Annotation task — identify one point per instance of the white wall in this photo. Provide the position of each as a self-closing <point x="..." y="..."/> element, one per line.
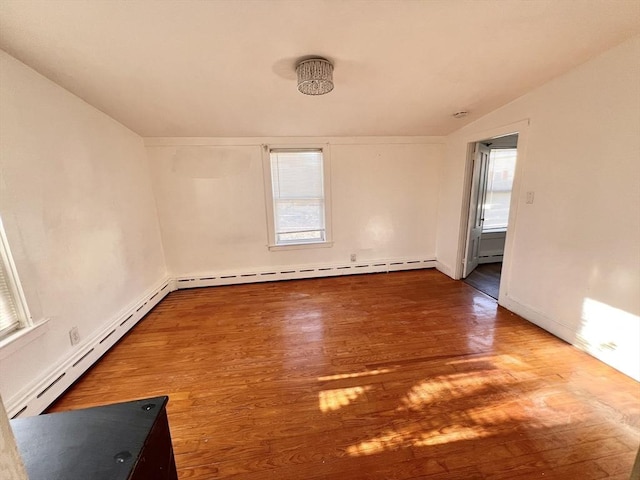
<point x="212" y="205"/>
<point x="572" y="257"/>
<point x="79" y="213"/>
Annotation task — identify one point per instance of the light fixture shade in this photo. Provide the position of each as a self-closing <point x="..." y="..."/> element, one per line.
<point x="315" y="76"/>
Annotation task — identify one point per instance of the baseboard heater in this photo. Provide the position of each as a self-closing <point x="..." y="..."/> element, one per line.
<point x="36" y="398"/>
<point x="300" y="272"/>
<point x="490" y="258"/>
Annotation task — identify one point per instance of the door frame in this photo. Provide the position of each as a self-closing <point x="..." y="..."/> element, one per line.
<point x="522" y="129"/>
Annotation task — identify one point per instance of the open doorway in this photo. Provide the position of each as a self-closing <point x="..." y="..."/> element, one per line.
<point x="493" y="170"/>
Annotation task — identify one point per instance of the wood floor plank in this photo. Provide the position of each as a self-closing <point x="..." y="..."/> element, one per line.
<point x="400" y="376"/>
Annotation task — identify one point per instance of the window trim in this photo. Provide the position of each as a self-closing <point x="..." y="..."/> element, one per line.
<point x="16" y="291"/>
<point x="17" y="339"/>
<point x="495" y="230"/>
<point x="268" y="193"/>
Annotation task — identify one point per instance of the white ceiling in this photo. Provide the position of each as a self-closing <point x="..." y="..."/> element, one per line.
<point x="226" y="68"/>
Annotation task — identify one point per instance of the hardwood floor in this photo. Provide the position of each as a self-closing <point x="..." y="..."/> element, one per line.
<point x="407" y="375"/>
<point x="486" y="278"/>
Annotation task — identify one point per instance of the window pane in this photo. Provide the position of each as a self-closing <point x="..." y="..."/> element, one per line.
<point x="297" y="174"/>
<point x="298" y="196"/>
<point x="298" y="215"/>
<point x="502" y="165"/>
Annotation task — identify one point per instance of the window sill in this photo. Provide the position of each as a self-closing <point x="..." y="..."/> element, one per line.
<point x="299" y="246"/>
<point x="22" y="337"/>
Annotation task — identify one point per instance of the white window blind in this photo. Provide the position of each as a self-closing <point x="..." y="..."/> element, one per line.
<point x="9" y="318"/>
<point x="297" y="180"/>
<point x="14" y="313"/>
<point x="502" y="167"/>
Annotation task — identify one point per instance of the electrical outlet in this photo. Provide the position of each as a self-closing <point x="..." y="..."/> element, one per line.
<point x="530" y="197"/>
<point x="353" y="257"/>
<point x="74" y="336"/>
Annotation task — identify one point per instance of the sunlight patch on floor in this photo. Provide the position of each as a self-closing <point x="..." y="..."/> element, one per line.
<point x="493" y="361"/>
<point x="446" y="388"/>
<point x="335" y="399"/>
<point x="342" y="376"/>
<point x="477" y="403"/>
<point x="455" y="434"/>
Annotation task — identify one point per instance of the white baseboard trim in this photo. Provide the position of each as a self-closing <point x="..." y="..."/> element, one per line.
<point x="552" y="326"/>
<point x="448" y="271"/>
<point x="36" y="397"/>
<point x="299" y="272"/>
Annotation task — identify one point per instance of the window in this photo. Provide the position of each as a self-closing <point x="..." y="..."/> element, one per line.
<point x="502" y="166"/>
<point x="297" y="184"/>
<point x="13" y="312"/>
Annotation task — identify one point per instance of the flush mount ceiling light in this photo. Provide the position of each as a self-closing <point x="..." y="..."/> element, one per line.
<point x="315" y="76"/>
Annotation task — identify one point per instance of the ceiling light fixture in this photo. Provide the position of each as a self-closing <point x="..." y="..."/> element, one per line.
<point x="315" y="76"/>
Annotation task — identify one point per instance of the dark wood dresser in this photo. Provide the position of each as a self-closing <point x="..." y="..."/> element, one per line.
<point x="128" y="441"/>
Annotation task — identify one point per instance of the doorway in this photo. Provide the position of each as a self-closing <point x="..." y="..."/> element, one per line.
<point x="493" y="162"/>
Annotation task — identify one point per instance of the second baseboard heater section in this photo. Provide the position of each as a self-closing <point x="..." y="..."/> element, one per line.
<point x="303" y="271"/>
<point x="37" y="397"/>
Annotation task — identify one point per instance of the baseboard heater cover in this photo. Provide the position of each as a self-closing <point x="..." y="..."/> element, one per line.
<point x="497" y="258"/>
<point x="300" y="272"/>
<point x="37" y="397"/>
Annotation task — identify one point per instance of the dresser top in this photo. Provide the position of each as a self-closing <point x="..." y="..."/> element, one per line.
<point x="99" y="443"/>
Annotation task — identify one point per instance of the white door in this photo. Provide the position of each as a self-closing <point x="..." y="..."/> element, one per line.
<point x="476" y="207"/>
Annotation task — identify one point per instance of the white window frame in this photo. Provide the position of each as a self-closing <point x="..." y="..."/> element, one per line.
<point x="16" y="292"/>
<point x="498" y="229"/>
<point x="269" y="201"/>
